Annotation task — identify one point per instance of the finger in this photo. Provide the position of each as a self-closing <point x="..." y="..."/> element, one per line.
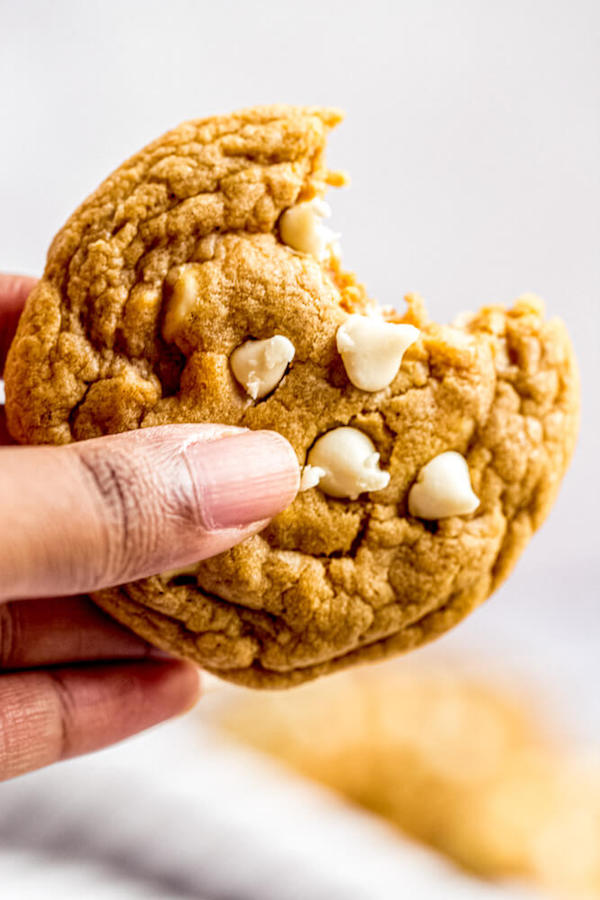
<point x="115" y="509"/>
<point x="5" y="437"/>
<point x="49" y="716"/>
<point x="14" y="290"/>
<point x="63" y="630"/>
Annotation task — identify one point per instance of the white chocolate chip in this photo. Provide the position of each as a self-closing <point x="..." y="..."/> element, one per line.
<point x="310" y="477"/>
<point x="183" y="299"/>
<point x="349" y="462"/>
<point x="259" y="366"/>
<point x="301" y="228"/>
<point x="443" y="488"/>
<point x="372" y="349"/>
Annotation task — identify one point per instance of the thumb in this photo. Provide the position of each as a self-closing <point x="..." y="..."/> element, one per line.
<point x="117" y="508"/>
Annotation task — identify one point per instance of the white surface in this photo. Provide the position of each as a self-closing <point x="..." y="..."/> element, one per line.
<point x="178" y="814"/>
<point x="473" y="140"/>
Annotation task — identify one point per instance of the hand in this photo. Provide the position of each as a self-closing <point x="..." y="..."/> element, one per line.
<point x="97" y="513"/>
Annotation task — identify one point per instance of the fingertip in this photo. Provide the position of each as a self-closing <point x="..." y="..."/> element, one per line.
<point x="243" y="479"/>
<point x="288" y="455"/>
<point x="180" y="683"/>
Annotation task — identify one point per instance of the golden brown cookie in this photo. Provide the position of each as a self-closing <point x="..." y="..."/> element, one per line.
<point x="184" y="254"/>
<point x="454" y="761"/>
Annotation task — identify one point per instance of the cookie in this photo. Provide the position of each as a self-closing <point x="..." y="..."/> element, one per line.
<point x="457" y="762"/>
<point x="200" y="283"/>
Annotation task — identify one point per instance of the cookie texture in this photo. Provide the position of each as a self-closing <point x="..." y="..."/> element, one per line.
<point x="173" y="263"/>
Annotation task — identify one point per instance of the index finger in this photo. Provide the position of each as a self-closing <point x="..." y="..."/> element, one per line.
<point x="14" y="290"/>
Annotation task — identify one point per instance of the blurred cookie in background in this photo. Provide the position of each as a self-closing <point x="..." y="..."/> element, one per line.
<point x="456" y="760"/>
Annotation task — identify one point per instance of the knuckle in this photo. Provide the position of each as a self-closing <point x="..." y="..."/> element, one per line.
<point x="117" y="496"/>
<point x="65" y="716"/>
<point x="145" y="503"/>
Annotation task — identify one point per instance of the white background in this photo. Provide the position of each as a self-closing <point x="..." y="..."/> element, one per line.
<point x="473" y="140"/>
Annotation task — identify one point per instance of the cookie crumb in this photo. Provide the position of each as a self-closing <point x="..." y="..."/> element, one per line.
<point x="310" y="477"/>
<point x="337" y="178"/>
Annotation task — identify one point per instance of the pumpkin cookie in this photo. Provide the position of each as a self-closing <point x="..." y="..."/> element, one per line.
<point x="200" y="283"/>
<point x="457" y="762"/>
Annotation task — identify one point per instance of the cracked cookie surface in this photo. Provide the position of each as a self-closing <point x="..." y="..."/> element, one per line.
<point x="174" y="262"/>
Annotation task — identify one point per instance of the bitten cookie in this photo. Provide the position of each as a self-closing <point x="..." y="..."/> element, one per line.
<point x="199" y="283"/>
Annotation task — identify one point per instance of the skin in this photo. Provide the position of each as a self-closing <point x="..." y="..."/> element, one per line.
<point x="83" y="517"/>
